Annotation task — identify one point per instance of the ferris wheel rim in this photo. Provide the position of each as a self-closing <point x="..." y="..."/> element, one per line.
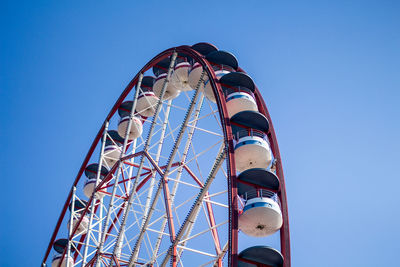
<point x="228" y="138"/>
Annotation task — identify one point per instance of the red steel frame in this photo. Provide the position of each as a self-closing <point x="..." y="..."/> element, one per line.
<point x="232" y="181"/>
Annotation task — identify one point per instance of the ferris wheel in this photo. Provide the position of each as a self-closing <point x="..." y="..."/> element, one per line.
<point x="185" y="170"/>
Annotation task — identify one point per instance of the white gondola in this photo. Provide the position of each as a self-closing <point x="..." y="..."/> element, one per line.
<point x="238" y="88"/>
<point x="261" y="215"/>
<point x="160" y="70"/>
<point x="136" y="129"/>
<point x="240" y="101"/>
<point x="196" y="70"/>
<point x="83" y="226"/>
<point x="146" y="104"/>
<point x="113" y="148"/>
<point x="180" y="76"/>
<point x="171" y="91"/>
<point x="90" y="186"/>
<point x="112" y="154"/>
<point x="222" y="63"/>
<point x="79" y="208"/>
<point x="147" y="100"/>
<point x="195" y="74"/>
<point x="57" y="258"/>
<point x="60" y="246"/>
<point x="252" y="150"/>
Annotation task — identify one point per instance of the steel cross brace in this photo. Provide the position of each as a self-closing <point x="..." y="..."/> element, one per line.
<point x="178" y="140"/>
<point x="182" y="164"/>
<point x="196" y="205"/>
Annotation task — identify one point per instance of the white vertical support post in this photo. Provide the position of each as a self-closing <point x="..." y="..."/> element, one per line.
<point x="71" y="225"/>
<point x="129" y="185"/>
<point x="157" y="159"/>
<point x="92" y="207"/>
<point x="132" y="160"/>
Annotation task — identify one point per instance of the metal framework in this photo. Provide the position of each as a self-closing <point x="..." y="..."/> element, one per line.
<point x="129" y="226"/>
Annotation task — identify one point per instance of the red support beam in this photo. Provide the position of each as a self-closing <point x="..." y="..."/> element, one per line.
<point x="210" y="213"/>
<point x="167" y="200"/>
<point x="284" y="231"/>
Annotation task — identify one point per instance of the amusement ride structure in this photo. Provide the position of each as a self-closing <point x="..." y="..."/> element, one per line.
<point x="185" y="166"/>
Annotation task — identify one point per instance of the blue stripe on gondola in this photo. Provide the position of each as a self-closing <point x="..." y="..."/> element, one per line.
<point x="237" y="96"/>
<point x="257" y="204"/>
<point x="248" y="142"/>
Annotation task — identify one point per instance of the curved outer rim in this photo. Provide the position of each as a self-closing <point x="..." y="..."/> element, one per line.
<point x="284" y="231"/>
<point x="232" y="183"/>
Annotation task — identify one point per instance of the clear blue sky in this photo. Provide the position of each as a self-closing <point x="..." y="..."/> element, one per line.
<point x="328" y="70"/>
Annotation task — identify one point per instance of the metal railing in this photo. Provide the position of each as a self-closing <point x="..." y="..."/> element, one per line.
<point x="263" y="193"/>
<point x="252" y="133"/>
<point x="236" y="89"/>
